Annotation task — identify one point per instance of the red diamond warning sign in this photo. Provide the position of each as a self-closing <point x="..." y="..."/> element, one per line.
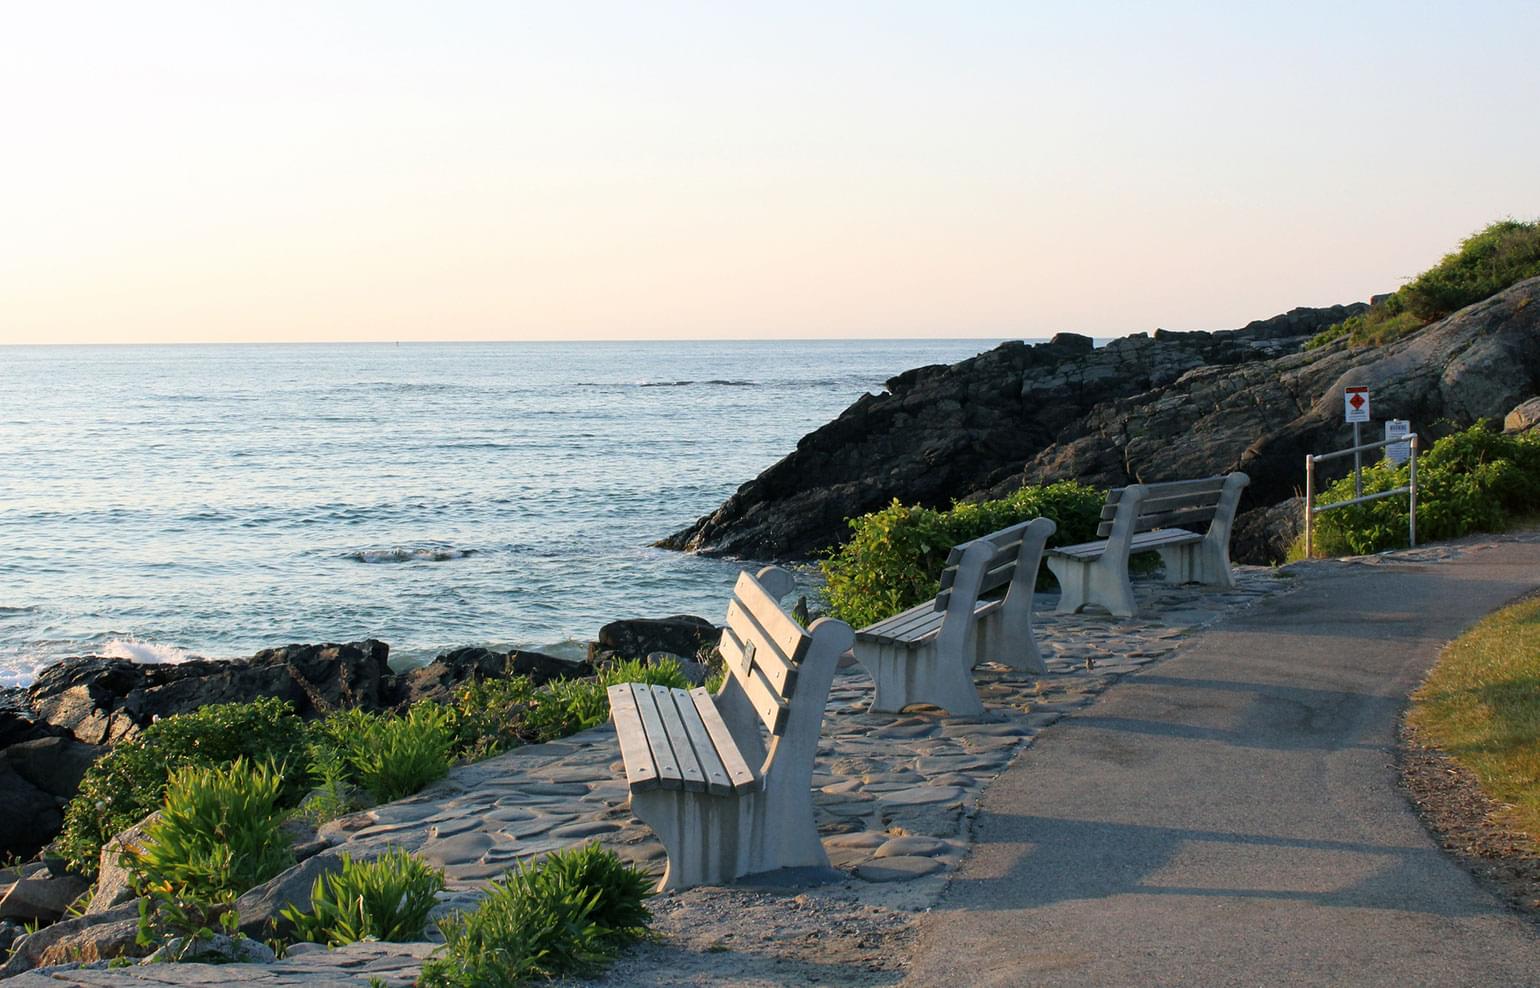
<point x="1355" y="403"/>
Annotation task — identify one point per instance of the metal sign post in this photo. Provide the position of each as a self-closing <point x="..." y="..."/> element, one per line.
<point x="1355" y="408"/>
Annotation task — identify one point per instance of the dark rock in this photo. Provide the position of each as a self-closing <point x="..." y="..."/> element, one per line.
<point x="101" y="700"/>
<point x="29" y="817"/>
<point x="8" y="934"/>
<point x="682" y="634"/>
<point x="943" y="432"/>
<point x="1264" y="535"/>
<point x="18" y="721"/>
<point x="41" y="899"/>
<point x="52" y="764"/>
<point x="86" y="934"/>
<point x="1524" y="417"/>
<point x="437" y="679"/>
<point x="1139" y="409"/>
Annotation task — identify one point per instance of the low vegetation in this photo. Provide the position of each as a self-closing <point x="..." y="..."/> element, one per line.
<point x="1503" y="254"/>
<point x="1481" y="706"/>
<point x="569" y="914"/>
<point x="1478" y="480"/>
<point x="387" y="898"/>
<point x="129" y="782"/>
<point x="894" y="559"/>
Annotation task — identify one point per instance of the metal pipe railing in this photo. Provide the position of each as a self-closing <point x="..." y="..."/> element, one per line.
<point x="1311" y="509"/>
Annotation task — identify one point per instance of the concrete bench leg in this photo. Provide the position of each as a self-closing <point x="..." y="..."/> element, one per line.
<point x="1008" y="640"/>
<point x="707" y="837"/>
<point x="904" y="676"/>
<point x="1099" y="582"/>
<point x="1198" y="562"/>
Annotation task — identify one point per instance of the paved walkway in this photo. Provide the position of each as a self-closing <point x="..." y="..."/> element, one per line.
<point x="1233" y="816"/>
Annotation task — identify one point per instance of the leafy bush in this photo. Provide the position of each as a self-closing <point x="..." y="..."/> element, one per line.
<point x="390" y="755"/>
<point x="489" y="714"/>
<point x="565" y="707"/>
<point x="1503" y="254"/>
<point x="1478" y="480"/>
<point x="129" y="782"/>
<point x="895" y="558"/>
<point x="566" y="915"/>
<point x="218" y="835"/>
<point x="665" y="672"/>
<point x="388" y="898"/>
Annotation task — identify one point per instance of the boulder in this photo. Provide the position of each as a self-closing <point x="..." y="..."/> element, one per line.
<point x="114" y="879"/>
<point x="103" y="700"/>
<point x="1266" y="534"/>
<point x="682" y="634"/>
<point x="53" y="764"/>
<point x="1524" y="418"/>
<point x="41" y="898"/>
<point x="260" y="909"/>
<point x="437" y="679"/>
<point x="216" y="949"/>
<point x="83" y="938"/>
<point x="18" y="721"/>
<point x="29" y="817"/>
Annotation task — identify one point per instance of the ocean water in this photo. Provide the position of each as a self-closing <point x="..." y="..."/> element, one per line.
<point x="158" y="502"/>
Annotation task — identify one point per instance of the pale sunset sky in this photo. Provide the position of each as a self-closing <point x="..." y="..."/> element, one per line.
<point x="220" y="171"/>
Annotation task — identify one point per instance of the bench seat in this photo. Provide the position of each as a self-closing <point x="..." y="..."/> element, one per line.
<point x="676" y="739"/>
<point x="1143" y="542"/>
<point x="927" y="653"/>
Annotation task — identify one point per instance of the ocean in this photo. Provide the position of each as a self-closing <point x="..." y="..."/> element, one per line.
<point x="160" y="502"/>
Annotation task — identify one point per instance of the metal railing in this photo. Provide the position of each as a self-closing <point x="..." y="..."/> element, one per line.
<point x="1311" y="509"/>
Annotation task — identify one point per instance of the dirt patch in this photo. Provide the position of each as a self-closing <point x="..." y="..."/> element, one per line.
<point x="1467" y="823"/>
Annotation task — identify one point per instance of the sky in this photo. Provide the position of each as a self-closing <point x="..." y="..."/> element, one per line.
<point x="321" y="171"/>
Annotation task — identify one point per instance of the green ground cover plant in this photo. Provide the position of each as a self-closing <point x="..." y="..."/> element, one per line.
<point x="386" y="898"/>
<point x="569" y="914"/>
<point x="895" y="556"/>
<point x="1478" y="480"/>
<point x="1481" y="706"/>
<point x="129" y="782"/>
<point x="219" y="833"/>
<point x="1501" y="255"/>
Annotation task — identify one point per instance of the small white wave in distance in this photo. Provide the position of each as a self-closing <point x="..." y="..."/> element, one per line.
<point x="408" y="554"/>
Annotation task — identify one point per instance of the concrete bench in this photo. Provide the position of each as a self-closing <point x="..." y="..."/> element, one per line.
<point x="1143" y="517"/>
<point x="725" y="802"/>
<point x="926" y="654"/>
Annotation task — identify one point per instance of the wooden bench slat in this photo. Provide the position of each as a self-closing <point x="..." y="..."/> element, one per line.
<point x="789" y="636"/>
<point x="764" y="699"/>
<point x="735" y="651"/>
<point x="1139" y="543"/>
<point x="1156" y="505"/>
<point x="679" y="740"/>
<point x="1167" y="519"/>
<point x="669" y="775"/>
<point x="881" y="627"/>
<point x="641" y="770"/>
<point x="741" y="775"/>
<point x="898" y="625"/>
<point x="1005" y="556"/>
<point x="1171" y="487"/>
<point x="912" y="631"/>
<point x="714" y="770"/>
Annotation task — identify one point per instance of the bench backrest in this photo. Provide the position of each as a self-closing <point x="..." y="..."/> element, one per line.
<point x="1178" y="504"/>
<point x="762" y="646"/>
<point x="999" y="569"/>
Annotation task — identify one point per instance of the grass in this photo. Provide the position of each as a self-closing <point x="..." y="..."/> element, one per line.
<point x="1481" y="706"/>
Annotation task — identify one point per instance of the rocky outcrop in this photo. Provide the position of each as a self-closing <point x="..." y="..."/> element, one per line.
<point x="1154" y="408"/>
<point x="683" y="635"/>
<point x="437" y="679"/>
<point x="1524" y="418"/>
<point x="943" y="432"/>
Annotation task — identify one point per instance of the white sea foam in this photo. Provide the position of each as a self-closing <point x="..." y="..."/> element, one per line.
<point x="149" y="653"/>
<point x="409" y="554"/>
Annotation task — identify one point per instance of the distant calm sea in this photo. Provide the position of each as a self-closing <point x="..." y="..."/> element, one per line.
<point x="160" y="502"/>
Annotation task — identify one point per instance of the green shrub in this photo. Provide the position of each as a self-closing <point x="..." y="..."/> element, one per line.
<point x="489" y="715"/>
<point x="391" y="755"/>
<point x="565" y="707"/>
<point x="129" y="782"/>
<point x="895" y="558"/>
<point x="566" y="915"/>
<point x="388" y="898"/>
<point x="1503" y="254"/>
<point x="665" y="672"/>
<point x="1478" y="480"/>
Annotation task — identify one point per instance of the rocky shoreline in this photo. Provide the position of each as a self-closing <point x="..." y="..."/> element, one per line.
<point x="1164" y="406"/>
<point x="53" y="730"/>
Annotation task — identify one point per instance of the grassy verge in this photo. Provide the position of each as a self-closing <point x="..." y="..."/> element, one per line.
<point x="1481" y="706"/>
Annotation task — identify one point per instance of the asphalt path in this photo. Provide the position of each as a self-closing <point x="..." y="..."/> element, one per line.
<point x="1233" y="816"/>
